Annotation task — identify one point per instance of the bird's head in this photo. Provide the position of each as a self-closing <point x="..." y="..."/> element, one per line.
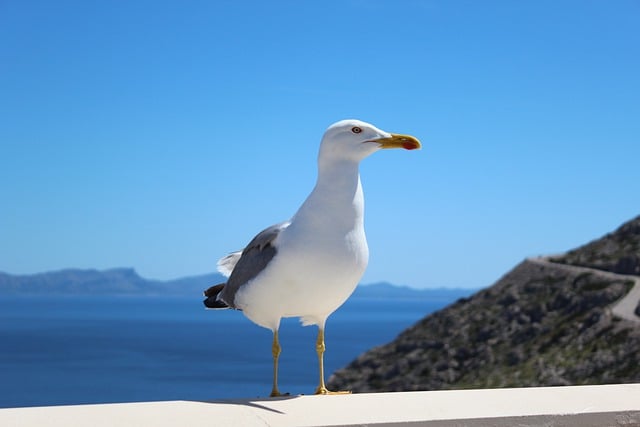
<point x="355" y="140"/>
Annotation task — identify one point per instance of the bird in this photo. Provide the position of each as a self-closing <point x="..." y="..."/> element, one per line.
<point x="309" y="265"/>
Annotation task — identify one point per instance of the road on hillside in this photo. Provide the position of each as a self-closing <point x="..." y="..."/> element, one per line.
<point x="625" y="307"/>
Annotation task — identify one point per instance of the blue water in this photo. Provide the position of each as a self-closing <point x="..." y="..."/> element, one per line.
<point x="75" y="350"/>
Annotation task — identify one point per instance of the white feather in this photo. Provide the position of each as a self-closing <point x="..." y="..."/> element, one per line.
<point x="227" y="263"/>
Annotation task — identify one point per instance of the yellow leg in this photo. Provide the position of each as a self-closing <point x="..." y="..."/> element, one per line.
<point x="275" y="351"/>
<point x="322" y="389"/>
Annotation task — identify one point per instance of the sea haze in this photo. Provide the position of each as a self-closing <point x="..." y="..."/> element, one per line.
<point x="70" y="349"/>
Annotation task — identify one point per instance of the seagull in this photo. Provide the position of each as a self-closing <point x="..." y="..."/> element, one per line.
<point x="309" y="265"/>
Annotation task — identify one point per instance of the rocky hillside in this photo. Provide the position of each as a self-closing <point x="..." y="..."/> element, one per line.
<point x="618" y="252"/>
<point x="546" y="322"/>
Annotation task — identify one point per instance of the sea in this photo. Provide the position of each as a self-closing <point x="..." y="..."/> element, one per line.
<point x="68" y="350"/>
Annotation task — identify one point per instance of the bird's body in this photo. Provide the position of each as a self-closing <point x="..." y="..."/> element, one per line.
<point x="320" y="257"/>
<point x="308" y="266"/>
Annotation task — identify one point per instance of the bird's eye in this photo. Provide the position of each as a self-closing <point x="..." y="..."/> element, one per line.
<point x="356" y="129"/>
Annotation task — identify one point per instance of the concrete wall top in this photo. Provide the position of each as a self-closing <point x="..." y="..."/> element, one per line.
<point x="607" y="405"/>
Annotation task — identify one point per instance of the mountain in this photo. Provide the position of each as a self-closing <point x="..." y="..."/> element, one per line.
<point x="125" y="281"/>
<point x="568" y="319"/>
<point x="117" y="281"/>
<point x="618" y="252"/>
<point x="384" y="290"/>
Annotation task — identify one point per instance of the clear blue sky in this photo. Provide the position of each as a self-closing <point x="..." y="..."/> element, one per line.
<point x="162" y="135"/>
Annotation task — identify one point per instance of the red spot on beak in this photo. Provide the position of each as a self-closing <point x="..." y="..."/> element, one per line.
<point x="409" y="145"/>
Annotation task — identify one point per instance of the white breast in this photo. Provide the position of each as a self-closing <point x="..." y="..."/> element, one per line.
<point x="320" y="257"/>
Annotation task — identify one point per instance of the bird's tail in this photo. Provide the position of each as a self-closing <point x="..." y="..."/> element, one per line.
<point x="212" y="300"/>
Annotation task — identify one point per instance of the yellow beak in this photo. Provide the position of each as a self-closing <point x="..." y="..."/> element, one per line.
<point x="407" y="142"/>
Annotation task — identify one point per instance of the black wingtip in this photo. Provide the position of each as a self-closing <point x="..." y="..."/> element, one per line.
<point x="212" y="300"/>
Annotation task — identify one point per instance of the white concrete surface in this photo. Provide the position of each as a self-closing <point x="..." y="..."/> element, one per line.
<point x="608" y="405"/>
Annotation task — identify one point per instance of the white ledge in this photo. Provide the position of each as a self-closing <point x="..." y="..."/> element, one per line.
<point x="607" y="405"/>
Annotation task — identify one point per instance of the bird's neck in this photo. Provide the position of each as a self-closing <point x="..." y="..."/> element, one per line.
<point x="339" y="179"/>
<point x="337" y="199"/>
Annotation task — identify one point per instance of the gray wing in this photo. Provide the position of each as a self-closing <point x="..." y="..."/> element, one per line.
<point x="254" y="258"/>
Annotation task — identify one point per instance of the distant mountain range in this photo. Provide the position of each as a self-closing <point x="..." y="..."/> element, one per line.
<point x="383" y="290"/>
<point x="564" y="320"/>
<point x="125" y="281"/>
<point x="117" y="281"/>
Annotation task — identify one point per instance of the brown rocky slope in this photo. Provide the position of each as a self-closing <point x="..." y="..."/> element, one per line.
<point x="546" y="322"/>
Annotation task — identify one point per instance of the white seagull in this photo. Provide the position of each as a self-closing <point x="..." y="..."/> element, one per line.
<point x="308" y="266"/>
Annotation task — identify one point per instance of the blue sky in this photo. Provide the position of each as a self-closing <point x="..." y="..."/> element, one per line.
<point x="162" y="135"/>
